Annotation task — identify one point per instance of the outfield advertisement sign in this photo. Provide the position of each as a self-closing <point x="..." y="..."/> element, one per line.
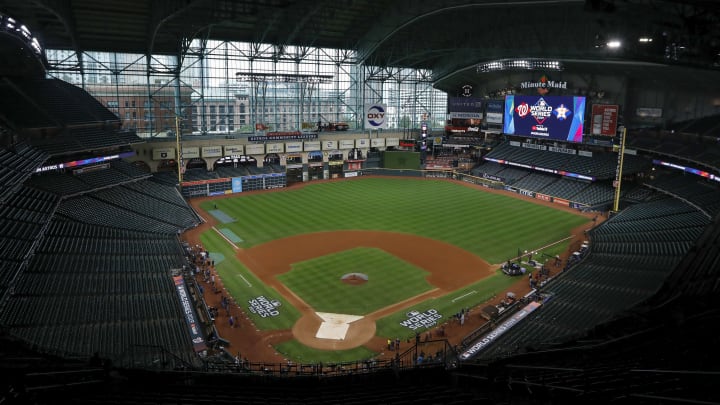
<point x="236" y="184"/>
<point x="499" y="331"/>
<point x="549" y="117"/>
<point x="416" y="320"/>
<point x="604" y="119"/>
<point x="189" y="312"/>
<point x="494" y="112"/>
<point x="291" y="147"/>
<point x="190" y="152"/>
<point x="255" y="149"/>
<point x="231" y="150"/>
<point x="540" y="169"/>
<point x="392" y="141"/>
<point x="264" y="307"/>
<point x="346" y="144"/>
<point x="310" y="146"/>
<point x="376" y="116"/>
<point x="211" y="151"/>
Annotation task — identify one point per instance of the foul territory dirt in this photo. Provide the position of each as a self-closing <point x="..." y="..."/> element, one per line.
<point x="448" y="272"/>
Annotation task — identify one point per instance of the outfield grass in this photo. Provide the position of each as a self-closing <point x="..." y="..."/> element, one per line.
<point x="493" y="226"/>
<point x="318" y="281"/>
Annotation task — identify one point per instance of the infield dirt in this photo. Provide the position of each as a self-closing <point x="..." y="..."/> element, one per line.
<point x="448" y="272"/>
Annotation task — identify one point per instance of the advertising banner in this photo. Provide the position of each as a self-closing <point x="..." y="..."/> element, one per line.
<point x="309" y="146"/>
<point x="255" y="149"/>
<point x="377" y="142"/>
<point x="190" y="317"/>
<point x="550" y="117"/>
<point x="163" y="153"/>
<point x="274" y="147"/>
<point x="236" y="184"/>
<point x="231" y="150"/>
<point x="329" y="145"/>
<point x="465" y="107"/>
<point x="494" y="111"/>
<point x="376" y="116"/>
<point x="291" y="147"/>
<point x="499" y="330"/>
<point x="189" y="152"/>
<point x="392" y="141"/>
<point x="347" y="144"/>
<point x="362" y="143"/>
<point x="211" y="151"/>
<point x="604" y="119"/>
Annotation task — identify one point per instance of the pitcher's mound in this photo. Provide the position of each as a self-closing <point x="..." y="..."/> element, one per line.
<point x="354" y="278"/>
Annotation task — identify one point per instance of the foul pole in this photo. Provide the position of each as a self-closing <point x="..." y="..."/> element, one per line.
<point x="618" y="171"/>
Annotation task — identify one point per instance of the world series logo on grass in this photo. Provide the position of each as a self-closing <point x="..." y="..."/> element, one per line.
<point x="421" y="319"/>
<point x="264" y="307"/>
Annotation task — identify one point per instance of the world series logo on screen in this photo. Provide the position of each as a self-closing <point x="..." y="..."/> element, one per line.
<point x="549" y="117"/>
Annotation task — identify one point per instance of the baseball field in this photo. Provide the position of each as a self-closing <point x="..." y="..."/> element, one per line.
<point x="328" y="267"/>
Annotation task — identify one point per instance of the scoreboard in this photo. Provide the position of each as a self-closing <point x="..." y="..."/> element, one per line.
<point x="558" y="118"/>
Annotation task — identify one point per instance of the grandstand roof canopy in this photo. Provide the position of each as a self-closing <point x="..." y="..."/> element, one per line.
<point x="449" y="36"/>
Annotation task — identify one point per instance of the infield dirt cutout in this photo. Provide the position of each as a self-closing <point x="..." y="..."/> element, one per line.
<point x="449" y="268"/>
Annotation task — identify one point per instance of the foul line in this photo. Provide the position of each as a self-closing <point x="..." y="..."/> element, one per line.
<point x="464" y="295"/>
<point x="244" y="279"/>
<point x="544" y="247"/>
<point x="225" y="237"/>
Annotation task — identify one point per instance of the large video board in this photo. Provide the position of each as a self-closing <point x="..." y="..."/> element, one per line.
<point x="549" y="117"/>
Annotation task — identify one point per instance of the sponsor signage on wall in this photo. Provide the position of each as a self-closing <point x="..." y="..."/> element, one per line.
<point x="647" y="112"/>
<point x="494" y="111"/>
<point x="189" y="312"/>
<point x="376" y="116"/>
<point x="236" y="184"/>
<point x="604" y="119"/>
<point x="543" y="85"/>
<point x="211" y="151"/>
<point x="283" y="136"/>
<point x="255" y="149"/>
<point x="309" y="146"/>
<point x="362" y="143"/>
<point x="163" y="153"/>
<point x="274" y="147"/>
<point x="392" y="141"/>
<point x="291" y="147"/>
<point x="231" y="150"/>
<point x="329" y="145"/>
<point x="346" y="144"/>
<point x="189" y="152"/>
<point x="465" y="107"/>
<point x="377" y="142"/>
<point x="499" y="331"/>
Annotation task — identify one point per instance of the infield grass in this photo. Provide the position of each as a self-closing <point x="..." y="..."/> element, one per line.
<point x="493" y="226"/>
<point x="390" y="279"/>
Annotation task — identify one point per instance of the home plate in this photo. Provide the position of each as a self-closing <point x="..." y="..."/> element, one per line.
<point x="334" y="326"/>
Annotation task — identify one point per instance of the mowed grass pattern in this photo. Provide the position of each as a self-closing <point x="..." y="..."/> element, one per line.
<point x="390" y="279"/>
<point x="493" y="226"/>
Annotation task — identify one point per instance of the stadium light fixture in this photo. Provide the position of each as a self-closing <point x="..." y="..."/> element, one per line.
<point x="614" y="44"/>
<point x="645" y="40"/>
